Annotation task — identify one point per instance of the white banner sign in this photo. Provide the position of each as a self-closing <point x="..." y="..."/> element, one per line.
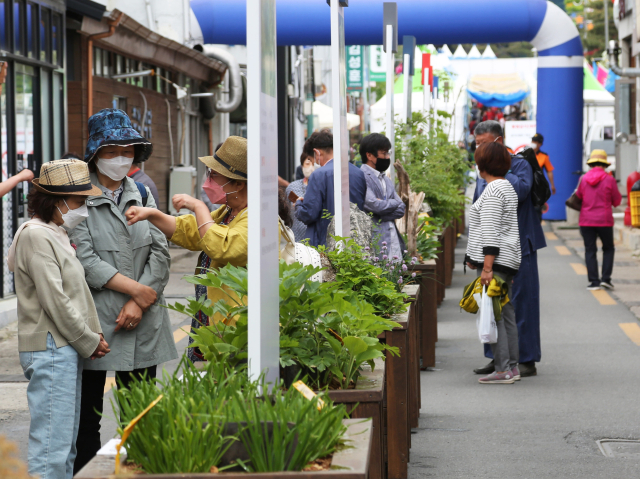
<point x="518" y="134"/>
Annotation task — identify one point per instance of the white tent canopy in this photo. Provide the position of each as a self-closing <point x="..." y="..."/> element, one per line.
<point x="488" y="52"/>
<point x="446" y="51"/>
<point x="474" y="53"/>
<point x="460" y="52"/>
<point x="324" y="115"/>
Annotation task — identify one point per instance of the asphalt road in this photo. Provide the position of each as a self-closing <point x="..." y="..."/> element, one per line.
<point x="546" y="426"/>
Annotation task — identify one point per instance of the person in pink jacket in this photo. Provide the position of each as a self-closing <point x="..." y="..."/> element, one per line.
<point x="599" y="193"/>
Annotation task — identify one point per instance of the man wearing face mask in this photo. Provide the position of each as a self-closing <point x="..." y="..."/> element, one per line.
<point x="298" y="188"/>
<point x="381" y="201"/>
<point x="126" y="267"/>
<point x="312" y="209"/>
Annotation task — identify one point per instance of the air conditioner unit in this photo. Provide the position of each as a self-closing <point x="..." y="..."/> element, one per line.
<point x="182" y="180"/>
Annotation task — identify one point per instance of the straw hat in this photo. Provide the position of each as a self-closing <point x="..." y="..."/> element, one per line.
<point x="598" y="156"/>
<point x="230" y="160"/>
<point x="65" y="178"/>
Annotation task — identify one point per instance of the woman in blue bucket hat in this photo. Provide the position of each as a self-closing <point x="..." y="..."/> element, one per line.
<point x="126" y="267"/>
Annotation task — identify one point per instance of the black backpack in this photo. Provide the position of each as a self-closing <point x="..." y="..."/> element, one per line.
<point x="540" y="190"/>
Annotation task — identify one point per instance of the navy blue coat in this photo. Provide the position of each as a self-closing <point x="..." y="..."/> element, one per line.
<point x="319" y="197"/>
<point x="526" y="284"/>
<point x="521" y="178"/>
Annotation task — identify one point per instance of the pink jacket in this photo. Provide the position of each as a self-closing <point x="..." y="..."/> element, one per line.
<point x="599" y="192"/>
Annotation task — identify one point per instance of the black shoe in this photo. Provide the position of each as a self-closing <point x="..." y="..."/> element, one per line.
<point x="528" y="369"/>
<point x="606" y="284"/>
<point x="488" y="369"/>
<point x="594" y="286"/>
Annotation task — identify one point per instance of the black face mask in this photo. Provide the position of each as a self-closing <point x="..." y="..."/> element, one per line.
<point x="382" y="164"/>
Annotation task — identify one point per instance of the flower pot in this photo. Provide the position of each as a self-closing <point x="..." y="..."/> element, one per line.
<point x="349" y="463"/>
<point x="428" y="312"/>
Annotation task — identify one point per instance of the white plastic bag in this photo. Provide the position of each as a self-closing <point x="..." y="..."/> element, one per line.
<point x="486" y="321"/>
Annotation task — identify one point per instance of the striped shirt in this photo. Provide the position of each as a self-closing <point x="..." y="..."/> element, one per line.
<point x="493" y="228"/>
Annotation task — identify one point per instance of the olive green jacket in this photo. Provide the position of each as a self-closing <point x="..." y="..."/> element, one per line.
<point x="106" y="245"/>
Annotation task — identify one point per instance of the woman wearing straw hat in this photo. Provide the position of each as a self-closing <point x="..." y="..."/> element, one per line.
<point x="127" y="269"/>
<point x="599" y="193"/>
<point x="58" y="323"/>
<point x="221" y="235"/>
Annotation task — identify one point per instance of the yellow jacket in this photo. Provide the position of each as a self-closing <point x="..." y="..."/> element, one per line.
<point x="497" y="291"/>
<point x="224" y="244"/>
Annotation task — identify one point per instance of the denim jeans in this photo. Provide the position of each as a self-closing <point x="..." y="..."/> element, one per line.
<point x="55" y="385"/>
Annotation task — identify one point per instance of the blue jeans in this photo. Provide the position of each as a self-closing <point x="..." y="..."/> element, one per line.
<point x="55" y="385"/>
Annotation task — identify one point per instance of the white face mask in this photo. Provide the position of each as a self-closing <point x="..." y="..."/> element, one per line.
<point x="73" y="218"/>
<point x="307" y="170"/>
<point x="115" y="168"/>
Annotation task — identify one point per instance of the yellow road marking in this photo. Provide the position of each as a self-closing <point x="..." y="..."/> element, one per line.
<point x="543" y="223"/>
<point x="579" y="268"/>
<point x="111" y="382"/>
<point x="550" y="235"/>
<point x="563" y="251"/>
<point x="603" y="297"/>
<point x="178" y="335"/>
<point x="632" y="330"/>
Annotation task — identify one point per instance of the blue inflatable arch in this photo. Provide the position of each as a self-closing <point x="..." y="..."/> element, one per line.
<point x="545" y="25"/>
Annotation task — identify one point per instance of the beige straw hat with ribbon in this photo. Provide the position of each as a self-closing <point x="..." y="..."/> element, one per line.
<point x="65" y="178"/>
<point x="598" y="156"/>
<point x="230" y="160"/>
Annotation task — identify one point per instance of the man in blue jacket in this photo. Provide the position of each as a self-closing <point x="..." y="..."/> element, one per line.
<point x="526" y="285"/>
<point x="317" y="207"/>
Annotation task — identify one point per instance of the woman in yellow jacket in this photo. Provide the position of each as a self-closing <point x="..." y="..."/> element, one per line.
<point x="221" y="235"/>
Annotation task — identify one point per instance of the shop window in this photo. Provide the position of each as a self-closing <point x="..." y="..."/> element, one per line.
<point x="32" y="30"/>
<point x="18" y="27"/>
<point x="119" y="103"/>
<point x="97" y="62"/>
<point x="106" y="64"/>
<point x="45" y="34"/>
<point x="119" y="64"/>
<point x="56" y="39"/>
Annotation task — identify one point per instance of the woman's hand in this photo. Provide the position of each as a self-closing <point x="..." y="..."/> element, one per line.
<point x="485" y="278"/>
<point x="129" y="317"/>
<point x="138" y="213"/>
<point x="185" y="201"/>
<point x="144" y="296"/>
<point x="102" y="349"/>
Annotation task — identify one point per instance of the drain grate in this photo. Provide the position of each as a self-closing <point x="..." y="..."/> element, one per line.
<point x="617" y="448"/>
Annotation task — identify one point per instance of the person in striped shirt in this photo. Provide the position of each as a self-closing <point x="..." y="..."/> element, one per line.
<point x="494" y="250"/>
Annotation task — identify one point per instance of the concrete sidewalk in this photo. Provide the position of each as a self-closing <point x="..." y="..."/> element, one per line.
<point x="626" y="266"/>
<point x="541" y="427"/>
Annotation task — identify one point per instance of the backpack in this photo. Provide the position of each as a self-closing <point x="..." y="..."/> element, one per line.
<point x="540" y="190"/>
<point x="143" y="192"/>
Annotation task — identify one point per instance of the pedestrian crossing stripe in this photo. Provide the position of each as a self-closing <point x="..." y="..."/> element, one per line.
<point x="550" y="236"/>
<point x="632" y="330"/>
<point x="563" y="251"/>
<point x="579" y="268"/>
<point x="603" y="297"/>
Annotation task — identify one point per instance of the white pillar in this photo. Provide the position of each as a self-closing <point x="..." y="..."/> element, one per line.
<point x="340" y="133"/>
<point x="407" y="87"/>
<point x="262" y="166"/>
<point x="426" y="100"/>
<point x="391" y="129"/>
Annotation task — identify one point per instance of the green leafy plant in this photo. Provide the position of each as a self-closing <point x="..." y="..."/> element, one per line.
<point x="356" y="272"/>
<point x="434" y="165"/>
<point x="428" y="244"/>
<point x="187" y="431"/>
<point x="327" y="332"/>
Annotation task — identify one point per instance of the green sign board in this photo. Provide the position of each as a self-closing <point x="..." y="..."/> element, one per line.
<point x="355" y="70"/>
<point x="377" y="64"/>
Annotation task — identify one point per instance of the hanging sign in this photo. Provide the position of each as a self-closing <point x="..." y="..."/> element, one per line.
<point x="355" y="71"/>
<point x="377" y="64"/>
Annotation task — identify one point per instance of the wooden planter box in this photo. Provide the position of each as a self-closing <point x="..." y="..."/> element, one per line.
<point x="440" y="269"/>
<point x="367" y="401"/>
<point x="449" y="255"/>
<point x="413" y="339"/>
<point x="428" y="312"/>
<point x="350" y="463"/>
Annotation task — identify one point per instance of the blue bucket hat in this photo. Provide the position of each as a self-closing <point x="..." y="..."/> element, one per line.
<point x="113" y="127"/>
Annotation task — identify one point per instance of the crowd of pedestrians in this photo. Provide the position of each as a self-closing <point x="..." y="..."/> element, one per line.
<point x="92" y="263"/>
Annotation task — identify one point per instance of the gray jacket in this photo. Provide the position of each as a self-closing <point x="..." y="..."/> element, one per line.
<point x="106" y="245"/>
<point x="384" y="208"/>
